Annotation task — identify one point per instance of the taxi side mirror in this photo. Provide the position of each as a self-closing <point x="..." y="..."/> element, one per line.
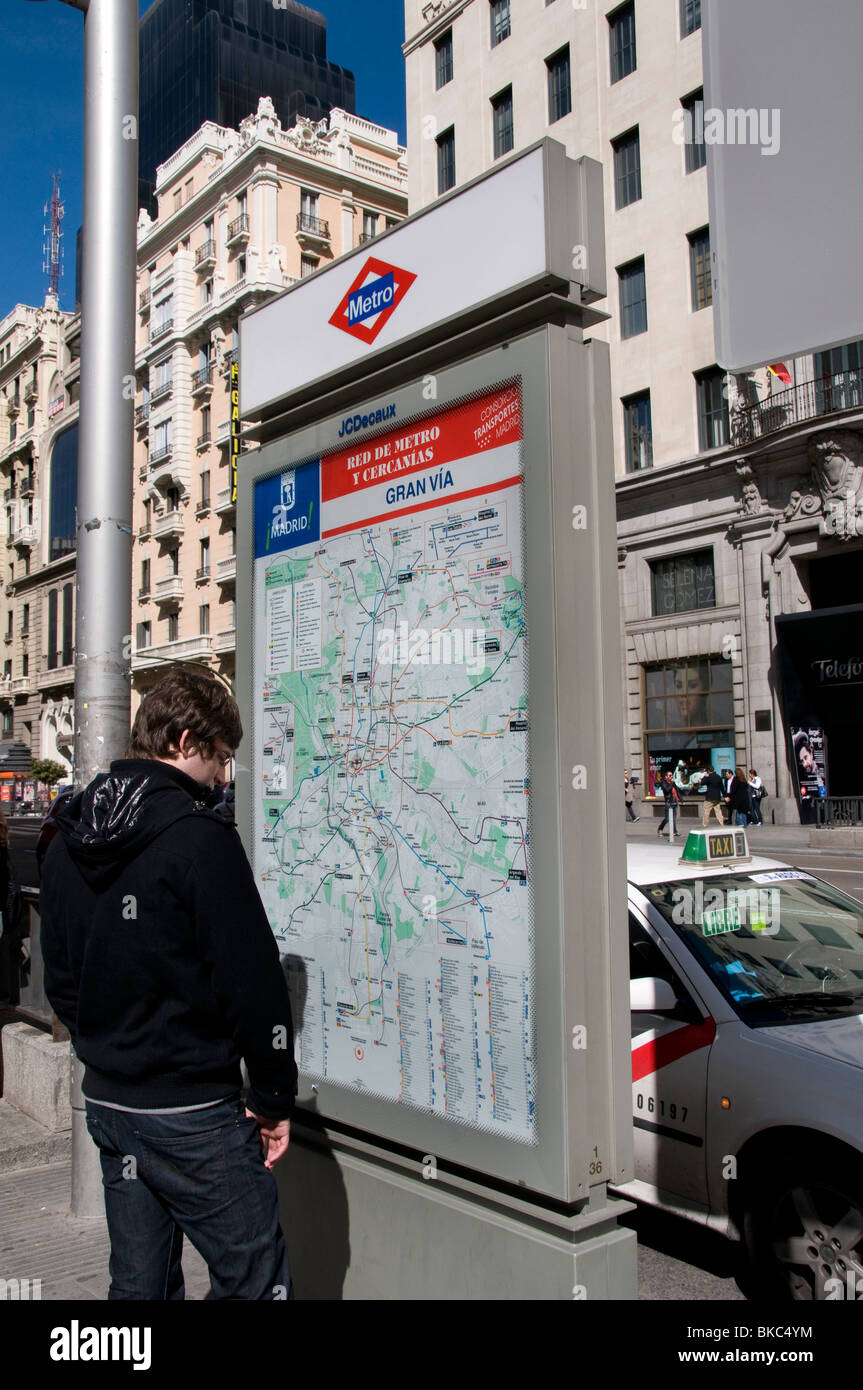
<point x="650" y="996"/>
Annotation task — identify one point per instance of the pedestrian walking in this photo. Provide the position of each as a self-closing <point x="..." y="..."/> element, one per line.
<point x="672" y="800"/>
<point x="160" y="961"/>
<point x="756" y="787"/>
<point x="740" y="798"/>
<point x="714" y="795"/>
<point x="629" y="795"/>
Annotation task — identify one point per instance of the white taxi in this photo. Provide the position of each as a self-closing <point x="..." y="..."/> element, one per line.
<point x="747" y="1057"/>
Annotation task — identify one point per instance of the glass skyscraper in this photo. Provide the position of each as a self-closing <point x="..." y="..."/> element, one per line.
<point x="210" y="60"/>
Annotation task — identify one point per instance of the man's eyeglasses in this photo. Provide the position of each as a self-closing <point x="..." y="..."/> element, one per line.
<point x="223" y="758"/>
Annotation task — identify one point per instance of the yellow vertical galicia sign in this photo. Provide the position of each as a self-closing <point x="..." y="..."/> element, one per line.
<point x="235" y="426"/>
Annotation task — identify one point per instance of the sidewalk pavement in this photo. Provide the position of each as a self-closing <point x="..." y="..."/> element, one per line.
<point x="773" y="839"/>
<point x="38" y="1237"/>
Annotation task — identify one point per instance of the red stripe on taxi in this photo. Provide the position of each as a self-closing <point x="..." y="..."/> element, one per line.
<point x="659" y="1052"/>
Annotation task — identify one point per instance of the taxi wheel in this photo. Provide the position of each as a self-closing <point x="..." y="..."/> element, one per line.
<point x="803" y="1229"/>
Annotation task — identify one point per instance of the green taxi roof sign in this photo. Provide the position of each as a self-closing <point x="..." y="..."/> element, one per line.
<point x="709" y="846"/>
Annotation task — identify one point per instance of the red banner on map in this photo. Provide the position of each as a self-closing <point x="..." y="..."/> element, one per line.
<point x="460" y="432"/>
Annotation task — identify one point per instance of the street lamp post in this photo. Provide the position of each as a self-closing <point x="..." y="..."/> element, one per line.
<point x="104" y="515"/>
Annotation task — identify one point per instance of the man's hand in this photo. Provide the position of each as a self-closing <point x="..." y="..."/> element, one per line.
<point x="275" y="1137"/>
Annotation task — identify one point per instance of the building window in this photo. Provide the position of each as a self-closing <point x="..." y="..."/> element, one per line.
<point x="638" y="432"/>
<point x="683" y="583"/>
<point x="688" y="716"/>
<point x="7" y="714"/>
<point x="700" y="269"/>
<point x="559" y="86"/>
<point x="205" y="424"/>
<point x="713" y="422"/>
<point x="172" y="499"/>
<point x="145" y="576"/>
<point x="205" y="489"/>
<point x="443" y="59"/>
<point x="693" y="132"/>
<point x="502" y="123"/>
<point x="627" y="169"/>
<point x="52" y="661"/>
<point x="162" y="436"/>
<point x="173" y="627"/>
<point x="308" y="265"/>
<point x="621" y="28"/>
<point x="25" y="620"/>
<point x="204" y="566"/>
<point x="204" y="620"/>
<point x="308" y="209"/>
<point x="174" y="562"/>
<point x="25" y="664"/>
<point x="143" y="638"/>
<point x="633" y="299"/>
<point x="241" y="269"/>
<point x="501" y="27"/>
<point x="206" y="293"/>
<point x="838" y="378"/>
<point x="64" y="489"/>
<point x="446" y="161"/>
<point x="370" y="225"/>
<point x="690" y="17"/>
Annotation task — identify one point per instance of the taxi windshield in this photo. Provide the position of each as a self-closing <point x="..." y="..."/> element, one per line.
<point x="782" y="946"/>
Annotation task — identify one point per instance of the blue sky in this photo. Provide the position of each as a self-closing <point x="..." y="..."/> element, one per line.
<point x="42" y="81"/>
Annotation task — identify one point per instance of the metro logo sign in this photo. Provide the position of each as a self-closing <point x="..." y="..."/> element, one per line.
<point x="372" y="299"/>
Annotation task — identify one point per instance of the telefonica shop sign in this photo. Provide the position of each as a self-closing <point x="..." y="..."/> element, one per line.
<point x="833" y="672"/>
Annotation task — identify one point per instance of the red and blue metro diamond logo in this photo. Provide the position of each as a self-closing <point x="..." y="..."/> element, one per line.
<point x="372" y="299"/>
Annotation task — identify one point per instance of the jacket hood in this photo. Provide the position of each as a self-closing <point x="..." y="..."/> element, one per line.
<point x="121" y="811"/>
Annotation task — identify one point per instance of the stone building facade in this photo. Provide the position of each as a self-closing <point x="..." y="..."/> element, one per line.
<point x="39" y="379"/>
<point x="242" y="214"/>
<point x="741" y="575"/>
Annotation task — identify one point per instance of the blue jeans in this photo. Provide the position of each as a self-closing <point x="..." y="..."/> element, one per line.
<point x="198" y="1173"/>
<point x="741" y="818"/>
<point x="670" y="814"/>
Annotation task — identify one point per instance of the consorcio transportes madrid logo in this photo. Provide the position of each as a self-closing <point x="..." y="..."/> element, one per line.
<point x="372" y="299"/>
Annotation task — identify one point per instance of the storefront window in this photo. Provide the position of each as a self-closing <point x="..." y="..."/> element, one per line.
<point x="688" y="720"/>
<point x="683" y="583"/>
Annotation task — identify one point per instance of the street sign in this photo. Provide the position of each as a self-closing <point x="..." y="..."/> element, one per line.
<point x="782" y="127"/>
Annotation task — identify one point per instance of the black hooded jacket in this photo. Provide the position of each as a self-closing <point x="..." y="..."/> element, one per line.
<point x="159" y="958"/>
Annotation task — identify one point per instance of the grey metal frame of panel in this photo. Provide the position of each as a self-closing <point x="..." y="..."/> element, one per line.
<point x="577" y="846"/>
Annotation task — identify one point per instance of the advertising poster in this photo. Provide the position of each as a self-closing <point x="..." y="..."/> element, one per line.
<point x="391" y="787"/>
<point x="809" y="756"/>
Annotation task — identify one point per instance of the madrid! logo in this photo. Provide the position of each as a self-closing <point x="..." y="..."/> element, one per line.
<point x="372" y="299"/>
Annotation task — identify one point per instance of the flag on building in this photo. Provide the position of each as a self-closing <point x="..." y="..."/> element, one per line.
<point x="779" y="369"/>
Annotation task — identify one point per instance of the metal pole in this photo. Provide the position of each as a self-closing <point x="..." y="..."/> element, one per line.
<point x="104" y="528"/>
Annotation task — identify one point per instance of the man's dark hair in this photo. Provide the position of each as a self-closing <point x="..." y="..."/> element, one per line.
<point x="181" y="700"/>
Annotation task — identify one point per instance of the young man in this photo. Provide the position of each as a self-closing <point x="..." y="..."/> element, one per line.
<point x="160" y="961"/>
<point x="714" y="796"/>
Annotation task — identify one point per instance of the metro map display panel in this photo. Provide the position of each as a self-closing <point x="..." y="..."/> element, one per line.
<point x="391" y="782"/>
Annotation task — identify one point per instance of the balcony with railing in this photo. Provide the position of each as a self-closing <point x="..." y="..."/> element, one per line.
<point x="142" y="416"/>
<point x="50" y="676"/>
<point x="224" y="505"/>
<point x="169" y="526"/>
<point x="31" y="393"/>
<point x="170" y="589"/>
<point x="184" y="648"/>
<point x="28" y="484"/>
<point x="238" y="230"/>
<point x="160" y="329"/>
<point x="366" y="237"/>
<point x="13" y="406"/>
<point x="161" y="390"/>
<point x="203" y="440"/>
<point x="807" y="400"/>
<point x="227" y="361"/>
<point x="226" y="640"/>
<point x="25" y="535"/>
<point x="144" y="302"/>
<point x="21" y="685"/>
<point x="226" y="571"/>
<point x="202" y="575"/>
<point x="205" y="256"/>
<point x="312" y="229"/>
<point x="159" y="455"/>
<point x="202" y="380"/>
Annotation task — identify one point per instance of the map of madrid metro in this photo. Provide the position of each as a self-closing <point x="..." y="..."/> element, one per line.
<point x="391" y="821"/>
